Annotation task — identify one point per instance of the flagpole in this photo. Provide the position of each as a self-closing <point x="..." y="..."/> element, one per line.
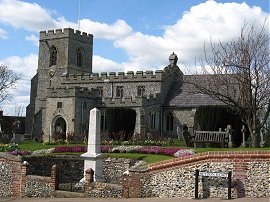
<point x="79" y="13"/>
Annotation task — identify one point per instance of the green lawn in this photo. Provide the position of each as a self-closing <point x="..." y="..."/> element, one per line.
<point x="32" y="146"/>
<point x="148" y="158"/>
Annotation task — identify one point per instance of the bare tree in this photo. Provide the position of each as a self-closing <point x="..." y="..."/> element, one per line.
<point x="238" y="74"/>
<point x="19" y="110"/>
<point x="8" y="79"/>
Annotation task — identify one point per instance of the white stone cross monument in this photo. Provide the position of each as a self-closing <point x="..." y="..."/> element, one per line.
<point x="93" y="158"/>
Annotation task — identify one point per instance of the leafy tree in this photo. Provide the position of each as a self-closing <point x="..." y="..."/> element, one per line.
<point x="8" y="79"/>
<point x="237" y="73"/>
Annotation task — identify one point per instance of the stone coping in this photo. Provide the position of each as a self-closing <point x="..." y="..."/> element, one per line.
<point x="219" y="156"/>
<point x="38" y="178"/>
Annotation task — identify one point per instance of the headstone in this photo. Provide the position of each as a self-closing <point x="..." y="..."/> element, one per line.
<point x="93" y="158"/>
<point x="243" y="130"/>
<point x="262" y="131"/>
<point x="229" y="130"/>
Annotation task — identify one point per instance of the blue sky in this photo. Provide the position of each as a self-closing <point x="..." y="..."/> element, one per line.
<point x="128" y="34"/>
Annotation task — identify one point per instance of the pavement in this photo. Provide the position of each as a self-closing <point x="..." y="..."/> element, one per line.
<point x="131" y="200"/>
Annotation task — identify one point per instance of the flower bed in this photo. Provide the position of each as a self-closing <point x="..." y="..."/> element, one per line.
<point x="176" y="152"/>
<point x="70" y="149"/>
<point x="20" y="153"/>
<point x="8" y="147"/>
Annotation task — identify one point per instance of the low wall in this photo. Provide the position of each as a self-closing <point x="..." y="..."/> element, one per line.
<point x="113" y="169"/>
<point x="37" y="186"/>
<point x="70" y="167"/>
<point x="171" y="178"/>
<point x="176" y="177"/>
<point x="10" y="167"/>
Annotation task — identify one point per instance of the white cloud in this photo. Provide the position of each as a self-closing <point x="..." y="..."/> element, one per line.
<point x="25" y="15"/>
<point x="22" y="65"/>
<point x="32" y="38"/>
<point x="187" y="37"/>
<point x="117" y="30"/>
<point x="3" y="34"/>
<point x="26" y="66"/>
<point x="33" y="17"/>
<point x="101" y="64"/>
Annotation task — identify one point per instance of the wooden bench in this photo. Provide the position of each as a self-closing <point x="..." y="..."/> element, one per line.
<point x="215" y="137"/>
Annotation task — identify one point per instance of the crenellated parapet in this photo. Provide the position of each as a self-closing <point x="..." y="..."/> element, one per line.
<point x="72" y="92"/>
<point x="66" y="32"/>
<point x="114" y="76"/>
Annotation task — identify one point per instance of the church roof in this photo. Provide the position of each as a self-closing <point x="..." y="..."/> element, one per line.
<point x="181" y="95"/>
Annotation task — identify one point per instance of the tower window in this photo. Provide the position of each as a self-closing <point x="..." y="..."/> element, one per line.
<point x="53" y="56"/>
<point x="119" y="91"/>
<point x="79" y="57"/>
<point x="141" y="91"/>
<point x="59" y="105"/>
<point x="100" y="89"/>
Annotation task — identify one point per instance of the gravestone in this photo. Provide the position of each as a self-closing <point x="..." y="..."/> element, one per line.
<point x="93" y="158"/>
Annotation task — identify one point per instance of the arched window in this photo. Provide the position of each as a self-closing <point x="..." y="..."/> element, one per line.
<point x="169" y="121"/>
<point x="79" y="57"/>
<point x="153" y="119"/>
<point x="103" y="121"/>
<point x="53" y="56"/>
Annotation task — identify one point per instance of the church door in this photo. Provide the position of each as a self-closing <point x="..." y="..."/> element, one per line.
<point x="60" y="127"/>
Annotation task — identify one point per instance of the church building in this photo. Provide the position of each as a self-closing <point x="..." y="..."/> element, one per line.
<point x="65" y="89"/>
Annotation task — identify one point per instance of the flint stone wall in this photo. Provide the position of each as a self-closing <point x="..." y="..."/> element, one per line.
<point x="105" y="190"/>
<point x="180" y="182"/>
<point x="176" y="177"/>
<point x="37" y="186"/>
<point x="6" y="179"/>
<point x="258" y="180"/>
<point x="113" y="169"/>
<point x="10" y="174"/>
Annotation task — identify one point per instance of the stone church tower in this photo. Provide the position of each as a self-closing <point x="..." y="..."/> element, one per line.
<point x="61" y="52"/>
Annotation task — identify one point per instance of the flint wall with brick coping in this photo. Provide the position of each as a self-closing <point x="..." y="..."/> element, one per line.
<point x="171" y="178"/>
<point x="10" y="175"/>
<point x="175" y="178"/>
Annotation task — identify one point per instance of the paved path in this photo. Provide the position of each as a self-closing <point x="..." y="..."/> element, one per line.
<point x="131" y="200"/>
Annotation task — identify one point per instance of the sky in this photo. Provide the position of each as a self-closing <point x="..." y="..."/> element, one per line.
<point x="129" y="35"/>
